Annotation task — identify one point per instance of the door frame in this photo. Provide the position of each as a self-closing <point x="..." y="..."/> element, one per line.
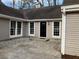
<point x="40" y="29"/>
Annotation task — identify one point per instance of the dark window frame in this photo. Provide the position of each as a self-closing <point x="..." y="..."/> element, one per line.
<point x="32" y="28"/>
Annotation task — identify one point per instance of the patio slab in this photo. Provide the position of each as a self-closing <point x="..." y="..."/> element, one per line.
<point x="24" y="48"/>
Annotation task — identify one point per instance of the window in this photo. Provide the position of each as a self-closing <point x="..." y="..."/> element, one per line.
<point x="16" y="28"/>
<point x="31" y="27"/>
<point x="56" y="28"/>
<point x="13" y="28"/>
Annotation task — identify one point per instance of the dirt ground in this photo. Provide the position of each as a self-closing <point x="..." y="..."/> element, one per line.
<point x="23" y="48"/>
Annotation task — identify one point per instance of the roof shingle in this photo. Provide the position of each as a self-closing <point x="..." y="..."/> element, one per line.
<point x="71" y="2"/>
<point x="9" y="11"/>
<point x="43" y="13"/>
<point x="37" y="13"/>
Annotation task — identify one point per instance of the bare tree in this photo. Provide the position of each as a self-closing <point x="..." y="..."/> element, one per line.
<point x="0" y="0"/>
<point x="58" y="3"/>
<point x="40" y="3"/>
<point x="24" y="3"/>
<point x="51" y="2"/>
<point x="32" y="4"/>
<point x="54" y="2"/>
<point x="13" y="4"/>
<point x="48" y="2"/>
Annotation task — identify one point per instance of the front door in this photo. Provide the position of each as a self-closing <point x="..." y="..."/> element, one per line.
<point x="43" y="29"/>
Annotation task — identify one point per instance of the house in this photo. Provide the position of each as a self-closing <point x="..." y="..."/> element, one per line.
<point x="11" y="23"/>
<point x="44" y="24"/>
<point x="70" y="30"/>
<point x="49" y="22"/>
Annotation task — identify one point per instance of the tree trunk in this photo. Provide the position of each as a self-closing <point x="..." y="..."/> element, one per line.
<point x="43" y="2"/>
<point x="0" y="1"/>
<point x="55" y="2"/>
<point x="13" y="3"/>
<point x="49" y="2"/>
<point x="40" y="3"/>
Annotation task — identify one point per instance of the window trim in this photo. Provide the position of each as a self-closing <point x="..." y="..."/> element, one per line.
<point x="59" y="30"/>
<point x="16" y="35"/>
<point x="29" y="29"/>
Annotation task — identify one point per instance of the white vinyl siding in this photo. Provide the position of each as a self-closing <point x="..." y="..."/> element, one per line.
<point x="72" y="34"/>
<point x="4" y="29"/>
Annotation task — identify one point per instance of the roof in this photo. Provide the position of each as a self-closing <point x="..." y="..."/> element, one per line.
<point x="70" y="9"/>
<point x="2" y="16"/>
<point x="43" y="13"/>
<point x="37" y="13"/>
<point x="9" y="11"/>
<point x="71" y="2"/>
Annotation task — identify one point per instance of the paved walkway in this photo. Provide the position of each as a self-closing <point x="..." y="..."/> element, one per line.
<point x="24" y="48"/>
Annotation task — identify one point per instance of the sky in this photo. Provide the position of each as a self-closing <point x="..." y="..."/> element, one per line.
<point x="9" y="2"/>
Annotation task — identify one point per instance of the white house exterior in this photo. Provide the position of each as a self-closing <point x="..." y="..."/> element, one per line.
<point x="50" y="23"/>
<point x="70" y="30"/>
<point x="32" y="25"/>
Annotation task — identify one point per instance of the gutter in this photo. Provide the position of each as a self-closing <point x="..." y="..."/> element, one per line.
<point x="12" y="18"/>
<point x="28" y="20"/>
<point x="70" y="8"/>
<point x="37" y="20"/>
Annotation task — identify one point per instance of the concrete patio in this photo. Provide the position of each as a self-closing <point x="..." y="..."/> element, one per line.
<point x="23" y="48"/>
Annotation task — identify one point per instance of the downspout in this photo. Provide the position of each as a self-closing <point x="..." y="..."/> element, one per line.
<point x="63" y="31"/>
